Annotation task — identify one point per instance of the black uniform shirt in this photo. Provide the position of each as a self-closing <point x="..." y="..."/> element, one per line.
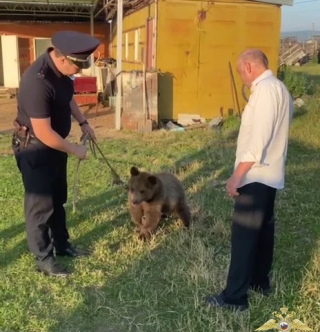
<point x="45" y="92"/>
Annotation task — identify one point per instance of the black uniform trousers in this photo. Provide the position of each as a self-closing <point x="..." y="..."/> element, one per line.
<point x="44" y="176"/>
<point x="252" y="242"/>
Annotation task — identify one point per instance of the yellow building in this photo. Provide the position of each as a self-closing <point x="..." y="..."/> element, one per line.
<point x="190" y="44"/>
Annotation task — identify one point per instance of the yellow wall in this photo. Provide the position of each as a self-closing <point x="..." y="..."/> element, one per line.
<point x="132" y="24"/>
<point x="197" y="52"/>
<point x="193" y="54"/>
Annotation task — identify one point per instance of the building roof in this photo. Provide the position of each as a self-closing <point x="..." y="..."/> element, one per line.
<point x="130" y="6"/>
<point x="76" y="10"/>
<point x="51" y="10"/>
<point x="278" y="2"/>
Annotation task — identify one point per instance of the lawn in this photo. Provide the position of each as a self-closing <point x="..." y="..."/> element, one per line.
<point x="311" y="71"/>
<point x="127" y="285"/>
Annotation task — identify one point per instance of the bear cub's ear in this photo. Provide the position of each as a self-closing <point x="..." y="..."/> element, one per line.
<point x="152" y="179"/>
<point x="134" y="171"/>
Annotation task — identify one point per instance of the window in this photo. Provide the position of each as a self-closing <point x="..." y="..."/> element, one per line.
<point x="40" y="46"/>
<point x="136" y="44"/>
<point x="126" y="46"/>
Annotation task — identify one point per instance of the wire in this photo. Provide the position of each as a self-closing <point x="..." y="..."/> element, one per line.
<point x="300" y="2"/>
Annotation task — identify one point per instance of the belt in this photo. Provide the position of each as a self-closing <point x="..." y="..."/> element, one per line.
<point x="19" y="141"/>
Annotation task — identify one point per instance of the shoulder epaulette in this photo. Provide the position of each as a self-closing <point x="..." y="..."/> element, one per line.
<point x="43" y="70"/>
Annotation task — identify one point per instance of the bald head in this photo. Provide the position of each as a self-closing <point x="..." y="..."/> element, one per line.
<point x="254" y="56"/>
<point x="251" y="64"/>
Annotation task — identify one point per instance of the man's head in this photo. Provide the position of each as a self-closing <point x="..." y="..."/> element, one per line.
<point x="72" y="51"/>
<point x="251" y="64"/>
<point x="63" y="64"/>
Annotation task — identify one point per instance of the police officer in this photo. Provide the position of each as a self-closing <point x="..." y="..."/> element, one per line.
<point x="45" y="106"/>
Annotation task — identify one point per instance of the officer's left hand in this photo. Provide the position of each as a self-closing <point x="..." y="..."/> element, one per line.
<point x="86" y="129"/>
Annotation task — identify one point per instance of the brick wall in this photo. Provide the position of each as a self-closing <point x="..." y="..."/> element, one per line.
<point x="28" y="31"/>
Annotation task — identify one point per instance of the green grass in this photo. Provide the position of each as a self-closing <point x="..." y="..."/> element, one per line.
<point x="130" y="286"/>
<point x="311" y="71"/>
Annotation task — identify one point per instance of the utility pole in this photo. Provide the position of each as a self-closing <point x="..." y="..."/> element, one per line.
<point x="119" y="64"/>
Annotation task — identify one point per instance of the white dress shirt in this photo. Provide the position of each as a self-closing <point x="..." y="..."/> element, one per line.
<point x="264" y="131"/>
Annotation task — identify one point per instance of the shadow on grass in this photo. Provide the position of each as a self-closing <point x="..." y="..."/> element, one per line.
<point x="164" y="289"/>
<point x="86" y="209"/>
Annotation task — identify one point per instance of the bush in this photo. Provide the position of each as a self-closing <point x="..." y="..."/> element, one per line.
<point x="296" y="83"/>
<point x="314" y="59"/>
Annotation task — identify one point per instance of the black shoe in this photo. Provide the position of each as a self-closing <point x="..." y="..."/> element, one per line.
<point x="217" y="301"/>
<point x="72" y="252"/>
<point x="264" y="291"/>
<point x="52" y="268"/>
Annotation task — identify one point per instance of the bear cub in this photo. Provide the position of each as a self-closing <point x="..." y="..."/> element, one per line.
<point x="150" y="196"/>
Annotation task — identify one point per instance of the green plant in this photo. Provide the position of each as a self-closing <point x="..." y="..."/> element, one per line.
<point x="314" y="59"/>
<point x="296" y="83"/>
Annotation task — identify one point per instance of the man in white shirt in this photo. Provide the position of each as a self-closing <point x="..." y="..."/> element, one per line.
<point x="258" y="173"/>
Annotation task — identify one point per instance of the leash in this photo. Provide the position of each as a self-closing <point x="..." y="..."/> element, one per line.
<point x="116" y="180"/>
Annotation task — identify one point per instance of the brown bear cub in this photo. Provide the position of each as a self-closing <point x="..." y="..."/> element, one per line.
<point x="150" y="196"/>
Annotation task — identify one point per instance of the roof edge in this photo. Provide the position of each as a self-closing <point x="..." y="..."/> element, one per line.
<point x="277" y="2"/>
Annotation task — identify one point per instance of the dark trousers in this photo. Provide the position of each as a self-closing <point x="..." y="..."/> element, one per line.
<point x="252" y="242"/>
<point x="44" y="176"/>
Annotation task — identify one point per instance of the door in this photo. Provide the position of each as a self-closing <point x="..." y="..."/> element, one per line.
<point x="221" y="41"/>
<point x="150" y="48"/>
<point x="24" y="54"/>
<point x="41" y="45"/>
<point x="10" y="59"/>
<point x="178" y="58"/>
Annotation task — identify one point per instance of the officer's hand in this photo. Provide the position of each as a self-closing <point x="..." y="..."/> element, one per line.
<point x="86" y="129"/>
<point x="80" y="151"/>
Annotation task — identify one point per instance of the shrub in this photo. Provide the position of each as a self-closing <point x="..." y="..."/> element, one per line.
<point x="296" y="83"/>
<point x="314" y="59"/>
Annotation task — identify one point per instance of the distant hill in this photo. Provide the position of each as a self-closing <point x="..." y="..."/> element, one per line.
<point x="302" y="36"/>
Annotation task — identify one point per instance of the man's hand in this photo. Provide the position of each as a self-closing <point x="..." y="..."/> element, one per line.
<point x="86" y="129"/>
<point x="80" y="151"/>
<point x="232" y="185"/>
<point x="234" y="182"/>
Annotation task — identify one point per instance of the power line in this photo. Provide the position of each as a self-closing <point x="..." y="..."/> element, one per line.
<point x="300" y="2"/>
<point x="311" y="11"/>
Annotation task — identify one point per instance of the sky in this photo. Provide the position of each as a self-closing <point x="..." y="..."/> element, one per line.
<point x="301" y="15"/>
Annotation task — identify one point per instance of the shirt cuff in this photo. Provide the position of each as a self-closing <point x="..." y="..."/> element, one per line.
<point x="248" y="157"/>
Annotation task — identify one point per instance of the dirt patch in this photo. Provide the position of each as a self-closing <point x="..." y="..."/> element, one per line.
<point x="8" y="112"/>
<point x="103" y="122"/>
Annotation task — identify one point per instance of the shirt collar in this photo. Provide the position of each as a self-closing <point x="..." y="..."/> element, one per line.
<point x="265" y="74"/>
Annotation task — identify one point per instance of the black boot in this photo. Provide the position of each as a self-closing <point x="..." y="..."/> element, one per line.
<point x="50" y="267"/>
<point x="71" y="251"/>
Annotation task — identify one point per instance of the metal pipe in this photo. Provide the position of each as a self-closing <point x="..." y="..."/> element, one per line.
<point x="93" y="68"/>
<point x="103" y="8"/>
<point x="119" y="64"/>
<point x="46" y="15"/>
<point x="79" y="4"/>
<point x="110" y="38"/>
